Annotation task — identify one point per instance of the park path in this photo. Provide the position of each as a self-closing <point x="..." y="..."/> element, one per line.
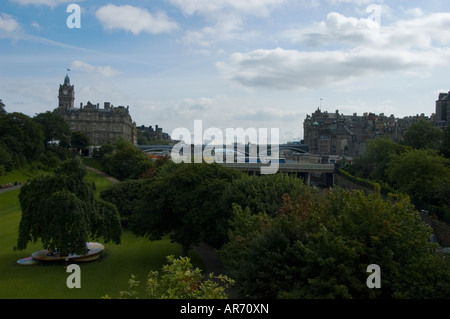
<point x="108" y="177"/>
<point x="8" y="189"/>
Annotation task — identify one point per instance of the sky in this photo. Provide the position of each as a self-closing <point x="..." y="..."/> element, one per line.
<point x="229" y="63"/>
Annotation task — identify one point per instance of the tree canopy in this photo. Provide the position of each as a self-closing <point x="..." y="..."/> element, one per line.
<point x="183" y="200"/>
<point x="124" y="160"/>
<point x="62" y="211"/>
<point x="422" y="135"/>
<point x="320" y="247"/>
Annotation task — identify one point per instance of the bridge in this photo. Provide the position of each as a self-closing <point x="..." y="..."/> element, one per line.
<point x="320" y="174"/>
<point x="299" y="148"/>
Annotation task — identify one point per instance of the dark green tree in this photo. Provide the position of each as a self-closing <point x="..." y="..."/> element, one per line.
<point x="184" y="200"/>
<point x="22" y="138"/>
<point x="79" y="141"/>
<point x="422" y="135"/>
<point x="320" y="247"/>
<point x="445" y="146"/>
<point x="378" y="152"/>
<point x="125" y="161"/>
<point x="423" y="175"/>
<point x="2" y="108"/>
<point x="55" y="128"/>
<point x="124" y="196"/>
<point x="62" y="211"/>
<point x="262" y="194"/>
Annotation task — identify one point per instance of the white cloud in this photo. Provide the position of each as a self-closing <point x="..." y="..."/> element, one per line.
<point x="135" y="20"/>
<point x="104" y="71"/>
<point x="227" y="18"/>
<point x="292" y="69"/>
<point x="50" y="3"/>
<point x="357" y="48"/>
<point x="9" y="24"/>
<point x="261" y="8"/>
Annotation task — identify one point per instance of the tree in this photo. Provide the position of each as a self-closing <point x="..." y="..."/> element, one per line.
<point x="321" y="247"/>
<point x="55" y="128"/>
<point x="445" y="146"/>
<point x="62" y="211"/>
<point x="378" y="152"/>
<point x="422" y="174"/>
<point x="183" y="200"/>
<point x="21" y="137"/>
<point x="124" y="196"/>
<point x="125" y="161"/>
<point x="179" y="280"/>
<point x="79" y="141"/>
<point x="262" y="194"/>
<point x="422" y="135"/>
<point x="2" y="108"/>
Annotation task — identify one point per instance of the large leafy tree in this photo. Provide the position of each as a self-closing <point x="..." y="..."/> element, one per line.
<point x="21" y="137"/>
<point x="378" y="152"/>
<point x="321" y="247"/>
<point x="445" y="146"/>
<point x="183" y="200"/>
<point x="423" y="175"/>
<point x="55" y="128"/>
<point x="79" y="140"/>
<point x="422" y="135"/>
<point x="2" y="108"/>
<point x="62" y="212"/>
<point x="124" y="160"/>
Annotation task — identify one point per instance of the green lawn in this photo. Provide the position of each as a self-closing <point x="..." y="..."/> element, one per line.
<point x="108" y="275"/>
<point x="19" y="176"/>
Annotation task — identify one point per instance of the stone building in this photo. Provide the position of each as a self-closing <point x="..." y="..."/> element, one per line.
<point x="442" y="116"/>
<point x="346" y="135"/>
<point x="100" y="125"/>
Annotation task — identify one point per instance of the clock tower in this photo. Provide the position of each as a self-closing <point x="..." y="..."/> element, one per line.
<point x="66" y="94"/>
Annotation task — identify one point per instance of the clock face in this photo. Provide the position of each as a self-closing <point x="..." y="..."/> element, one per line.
<point x="65" y="92"/>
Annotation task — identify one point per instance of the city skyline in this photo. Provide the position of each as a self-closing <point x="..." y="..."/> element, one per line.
<point x="261" y="64"/>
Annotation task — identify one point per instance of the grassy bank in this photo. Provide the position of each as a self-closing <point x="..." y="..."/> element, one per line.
<point x="108" y="275"/>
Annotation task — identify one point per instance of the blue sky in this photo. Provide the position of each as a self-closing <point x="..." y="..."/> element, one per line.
<point x="229" y="63"/>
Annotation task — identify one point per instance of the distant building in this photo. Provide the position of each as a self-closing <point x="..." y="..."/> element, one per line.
<point x="337" y="134"/>
<point x="100" y="125"/>
<point x="442" y="116"/>
<point x="149" y="135"/>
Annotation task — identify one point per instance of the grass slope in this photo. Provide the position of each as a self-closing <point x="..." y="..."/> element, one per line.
<point x="109" y="275"/>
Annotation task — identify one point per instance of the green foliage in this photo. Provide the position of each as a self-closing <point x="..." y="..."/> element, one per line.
<point x="320" y="247"/>
<point x="183" y="199"/>
<point x="179" y="280"/>
<point x="21" y="140"/>
<point x="423" y="175"/>
<point x="378" y="152"/>
<point x="79" y="140"/>
<point x="124" y="196"/>
<point x="55" y="128"/>
<point x="422" y="135"/>
<point x="61" y="211"/>
<point x="2" y="108"/>
<point x="445" y="146"/>
<point x="262" y="193"/>
<point x="125" y="161"/>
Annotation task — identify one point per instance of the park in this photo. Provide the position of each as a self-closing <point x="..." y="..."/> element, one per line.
<point x="135" y="255"/>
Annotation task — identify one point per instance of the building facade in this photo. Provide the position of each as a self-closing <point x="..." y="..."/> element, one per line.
<point x="100" y="125"/>
<point x="442" y="116"/>
<point x="346" y="135"/>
